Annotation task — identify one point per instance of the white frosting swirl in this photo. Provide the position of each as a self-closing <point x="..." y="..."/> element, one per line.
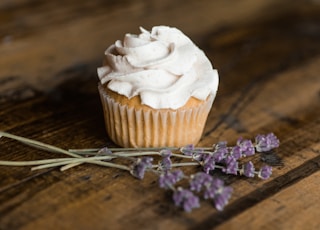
<point x="163" y="66"/>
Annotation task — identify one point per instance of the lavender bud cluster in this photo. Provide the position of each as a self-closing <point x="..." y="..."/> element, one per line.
<point x="166" y="162"/>
<point x="139" y="167"/>
<point x="186" y="199"/>
<point x="213" y="188"/>
<point x="265" y="143"/>
<point x="227" y="158"/>
<point x="168" y="179"/>
<point x="202" y="184"/>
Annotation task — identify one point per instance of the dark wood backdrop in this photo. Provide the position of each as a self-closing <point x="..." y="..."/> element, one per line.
<point x="268" y="57"/>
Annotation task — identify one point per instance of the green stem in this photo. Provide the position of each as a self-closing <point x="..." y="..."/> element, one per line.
<point x="181" y="156"/>
<point x="38" y="144"/>
<point x="83" y="151"/>
<point x="68" y="166"/>
<point x="91" y="160"/>
<point x="37" y="162"/>
<point x="180" y="164"/>
<point x="95" y="150"/>
<point x="133" y="154"/>
<point x="126" y="154"/>
<point x="51" y="161"/>
<point x="184" y="164"/>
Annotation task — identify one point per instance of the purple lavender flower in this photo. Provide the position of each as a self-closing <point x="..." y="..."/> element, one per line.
<point x="140" y="166"/>
<point x="168" y="179"/>
<point x="213" y="188"/>
<point x="185" y="199"/>
<point x="104" y="151"/>
<point x="165" y="153"/>
<point x="246" y="147"/>
<point x="221" y="199"/>
<point x="236" y="152"/>
<point x="248" y="169"/>
<point x="187" y="150"/>
<point x="208" y="163"/>
<point x="265" y="172"/>
<point x="198" y="154"/>
<point x="221" y="151"/>
<point x="219" y="193"/>
<point x="165" y="163"/>
<point x="221" y="145"/>
<point x="231" y="166"/>
<point x="200" y="180"/>
<point x="265" y="143"/>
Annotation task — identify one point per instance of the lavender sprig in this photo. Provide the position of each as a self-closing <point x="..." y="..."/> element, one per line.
<point x="265" y="143"/>
<point x="265" y="172"/>
<point x="165" y="163"/>
<point x="202" y="185"/>
<point x="248" y="169"/>
<point x="213" y="188"/>
<point x="222" y="197"/>
<point x="246" y="147"/>
<point x="139" y="167"/>
<point x="186" y="199"/>
<point x="168" y="179"/>
<point x="231" y="166"/>
<point x="200" y="180"/>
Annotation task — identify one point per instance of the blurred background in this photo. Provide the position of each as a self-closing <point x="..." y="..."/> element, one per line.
<point x="42" y="39"/>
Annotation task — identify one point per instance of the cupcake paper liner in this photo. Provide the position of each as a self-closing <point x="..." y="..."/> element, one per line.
<point x="130" y="127"/>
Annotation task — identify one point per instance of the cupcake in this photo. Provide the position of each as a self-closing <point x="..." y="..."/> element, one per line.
<point x="156" y="89"/>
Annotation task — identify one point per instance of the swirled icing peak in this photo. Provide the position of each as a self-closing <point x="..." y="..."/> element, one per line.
<point x="163" y="66"/>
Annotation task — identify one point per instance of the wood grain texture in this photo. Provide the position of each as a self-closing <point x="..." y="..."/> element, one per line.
<point x="292" y="208"/>
<point x="268" y="57"/>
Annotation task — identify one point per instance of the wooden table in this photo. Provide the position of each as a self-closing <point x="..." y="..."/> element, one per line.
<point x="268" y="57"/>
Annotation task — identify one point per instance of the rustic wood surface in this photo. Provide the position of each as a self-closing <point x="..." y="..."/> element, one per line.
<point x="268" y="57"/>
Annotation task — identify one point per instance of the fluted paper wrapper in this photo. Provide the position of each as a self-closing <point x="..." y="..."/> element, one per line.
<point x="129" y="127"/>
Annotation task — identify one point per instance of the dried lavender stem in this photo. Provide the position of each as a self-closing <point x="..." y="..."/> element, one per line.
<point x="88" y="151"/>
<point x="180" y="164"/>
<point x="85" y="151"/>
<point x="69" y="166"/>
<point x="38" y="144"/>
<point x="111" y="156"/>
<point x="184" y="164"/>
<point x="37" y="162"/>
<point x="126" y="154"/>
<point x="121" y="154"/>
<point x="50" y="161"/>
<point x="147" y="153"/>
<point x="92" y="160"/>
